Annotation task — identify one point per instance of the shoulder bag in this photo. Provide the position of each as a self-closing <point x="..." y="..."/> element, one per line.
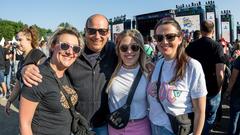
<point x="79" y="124"/>
<point x="181" y="124"/>
<point x="120" y="117"/>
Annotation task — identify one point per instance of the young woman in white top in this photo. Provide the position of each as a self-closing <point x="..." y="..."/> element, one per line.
<point x="131" y="59"/>
<point x="182" y="87"/>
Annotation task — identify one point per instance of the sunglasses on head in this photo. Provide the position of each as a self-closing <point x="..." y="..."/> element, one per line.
<point x="124" y="48"/>
<point x="92" y="31"/>
<point x="66" y="46"/>
<point x="169" y="37"/>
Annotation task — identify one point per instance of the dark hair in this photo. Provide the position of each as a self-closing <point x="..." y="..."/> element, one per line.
<point x="182" y="57"/>
<point x="207" y="26"/>
<point x="32" y="34"/>
<point x="196" y="34"/>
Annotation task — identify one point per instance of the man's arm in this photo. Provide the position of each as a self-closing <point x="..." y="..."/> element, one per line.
<point x="31" y="75"/>
<point x="220" y="69"/>
<point x="233" y="79"/>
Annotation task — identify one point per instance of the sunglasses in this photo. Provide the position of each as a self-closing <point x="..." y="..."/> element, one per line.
<point x="169" y="37"/>
<point x="124" y="48"/>
<point x="66" y="46"/>
<point x="92" y="31"/>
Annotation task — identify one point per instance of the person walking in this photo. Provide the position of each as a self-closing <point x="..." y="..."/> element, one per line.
<point x="210" y="54"/>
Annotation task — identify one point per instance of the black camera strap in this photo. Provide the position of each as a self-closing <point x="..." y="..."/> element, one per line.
<point x="60" y="86"/>
<point x="133" y="87"/>
<point x="158" y="86"/>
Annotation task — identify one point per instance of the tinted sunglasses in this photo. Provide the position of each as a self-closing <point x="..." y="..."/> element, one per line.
<point x="169" y="37"/>
<point x="124" y="48"/>
<point x="92" y="31"/>
<point x="66" y="46"/>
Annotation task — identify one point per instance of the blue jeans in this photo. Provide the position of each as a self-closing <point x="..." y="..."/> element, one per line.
<point x="103" y="130"/>
<point x="212" y="105"/>
<point x="160" y="130"/>
<point x="234" y="124"/>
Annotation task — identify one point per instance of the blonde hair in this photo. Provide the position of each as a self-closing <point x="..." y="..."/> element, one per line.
<point x="137" y="37"/>
<point x="54" y="39"/>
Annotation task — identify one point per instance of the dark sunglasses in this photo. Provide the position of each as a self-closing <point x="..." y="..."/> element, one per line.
<point x="169" y="37"/>
<point x="124" y="48"/>
<point x="92" y="31"/>
<point x="66" y="46"/>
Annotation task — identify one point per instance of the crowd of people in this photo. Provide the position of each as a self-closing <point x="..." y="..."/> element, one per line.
<point x="179" y="91"/>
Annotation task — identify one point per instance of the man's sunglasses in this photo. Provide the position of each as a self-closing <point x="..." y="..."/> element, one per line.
<point x="92" y="31"/>
<point x="66" y="46"/>
<point x="169" y="37"/>
<point x="124" y="48"/>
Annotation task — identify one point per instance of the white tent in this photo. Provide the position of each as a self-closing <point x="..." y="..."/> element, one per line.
<point x="13" y="40"/>
<point x="2" y="41"/>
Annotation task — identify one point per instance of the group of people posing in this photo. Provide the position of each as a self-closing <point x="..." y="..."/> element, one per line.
<point x="173" y="95"/>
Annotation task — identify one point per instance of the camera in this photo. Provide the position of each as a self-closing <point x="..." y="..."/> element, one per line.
<point x="14" y="45"/>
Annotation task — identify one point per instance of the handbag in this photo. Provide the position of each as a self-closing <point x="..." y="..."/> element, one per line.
<point x="79" y="125"/>
<point x="181" y="124"/>
<point x="120" y="117"/>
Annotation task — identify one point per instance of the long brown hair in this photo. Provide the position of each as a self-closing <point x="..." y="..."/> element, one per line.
<point x="182" y="58"/>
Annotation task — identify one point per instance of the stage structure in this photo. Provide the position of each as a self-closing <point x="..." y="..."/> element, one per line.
<point x="211" y="15"/>
<point x="189" y="17"/>
<point x="145" y="23"/>
<point x="227" y="25"/>
<point x="238" y="31"/>
<point x="118" y="24"/>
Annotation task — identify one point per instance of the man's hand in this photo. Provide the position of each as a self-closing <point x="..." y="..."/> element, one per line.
<point x="31" y="75"/>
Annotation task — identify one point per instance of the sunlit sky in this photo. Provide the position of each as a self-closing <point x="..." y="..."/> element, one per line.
<point x="50" y="13"/>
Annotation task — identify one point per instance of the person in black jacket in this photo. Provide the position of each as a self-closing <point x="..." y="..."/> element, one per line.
<point x="90" y="73"/>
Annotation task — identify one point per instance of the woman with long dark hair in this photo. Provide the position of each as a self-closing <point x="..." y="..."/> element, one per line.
<point x="177" y="86"/>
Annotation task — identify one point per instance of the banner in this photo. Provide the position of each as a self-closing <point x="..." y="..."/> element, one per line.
<point x="189" y="23"/>
<point x="211" y="17"/>
<point x="117" y="28"/>
<point x="226" y="31"/>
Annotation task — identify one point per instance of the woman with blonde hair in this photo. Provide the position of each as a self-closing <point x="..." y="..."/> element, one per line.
<point x="131" y="62"/>
<point x="44" y="109"/>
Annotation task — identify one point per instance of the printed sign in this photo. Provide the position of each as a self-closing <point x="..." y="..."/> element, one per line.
<point x="226" y="31"/>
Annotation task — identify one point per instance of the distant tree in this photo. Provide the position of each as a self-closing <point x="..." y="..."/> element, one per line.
<point x="64" y="24"/>
<point x="8" y="29"/>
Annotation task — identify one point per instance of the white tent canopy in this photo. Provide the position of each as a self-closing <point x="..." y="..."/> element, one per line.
<point x="2" y="41"/>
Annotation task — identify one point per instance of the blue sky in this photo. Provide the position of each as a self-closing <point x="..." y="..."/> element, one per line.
<point x="50" y="13"/>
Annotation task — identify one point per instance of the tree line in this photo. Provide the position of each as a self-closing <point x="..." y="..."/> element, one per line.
<point x="8" y="29"/>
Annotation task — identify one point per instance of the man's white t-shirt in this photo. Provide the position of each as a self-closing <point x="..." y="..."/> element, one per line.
<point x="177" y="96"/>
<point x="119" y="89"/>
